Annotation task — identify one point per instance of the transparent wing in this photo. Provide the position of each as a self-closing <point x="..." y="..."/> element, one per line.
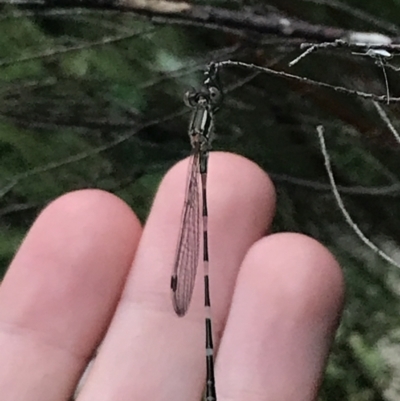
<point x="187" y="253"/>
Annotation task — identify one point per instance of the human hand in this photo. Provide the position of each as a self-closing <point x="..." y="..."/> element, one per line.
<point x="81" y="274"/>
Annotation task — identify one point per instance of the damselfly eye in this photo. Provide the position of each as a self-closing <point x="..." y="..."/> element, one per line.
<point x="215" y="95"/>
<point x="190" y="98"/>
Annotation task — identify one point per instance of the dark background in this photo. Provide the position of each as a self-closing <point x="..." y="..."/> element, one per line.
<point x="92" y="97"/>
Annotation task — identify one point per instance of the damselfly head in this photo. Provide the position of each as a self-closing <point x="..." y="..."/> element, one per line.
<point x="210" y="95"/>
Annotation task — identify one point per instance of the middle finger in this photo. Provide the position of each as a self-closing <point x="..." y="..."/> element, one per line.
<point x="148" y="350"/>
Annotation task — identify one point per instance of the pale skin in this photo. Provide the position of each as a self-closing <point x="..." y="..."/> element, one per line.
<point x="88" y="271"/>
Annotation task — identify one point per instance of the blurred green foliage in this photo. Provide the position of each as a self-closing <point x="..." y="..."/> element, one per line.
<point x="79" y="117"/>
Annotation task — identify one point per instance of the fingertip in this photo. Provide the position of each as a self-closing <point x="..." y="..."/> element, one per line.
<point x="72" y="264"/>
<point x="285" y="310"/>
<point x="228" y="175"/>
<point x="94" y="204"/>
<point x="61" y="291"/>
<point x="303" y="268"/>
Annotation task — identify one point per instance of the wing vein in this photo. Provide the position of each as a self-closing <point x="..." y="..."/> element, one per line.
<point x="187" y="251"/>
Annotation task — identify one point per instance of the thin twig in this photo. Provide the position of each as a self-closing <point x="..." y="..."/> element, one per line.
<point x="16" y="179"/>
<point x="339" y="201"/>
<point x="360" y="14"/>
<point x="361" y="47"/>
<point x="15" y="87"/>
<point x="357" y="190"/>
<point x="387" y="121"/>
<point x="302" y="55"/>
<point x="308" y="81"/>
<point x="68" y="49"/>
<point x="386" y="81"/>
<point x="57" y="12"/>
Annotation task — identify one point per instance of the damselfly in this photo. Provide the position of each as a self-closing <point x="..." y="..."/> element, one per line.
<point x="204" y="104"/>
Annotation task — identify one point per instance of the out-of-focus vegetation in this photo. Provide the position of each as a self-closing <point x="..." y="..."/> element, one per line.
<point x="93" y="98"/>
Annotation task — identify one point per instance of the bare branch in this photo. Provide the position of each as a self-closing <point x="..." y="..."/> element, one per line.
<point x="342" y="207"/>
<point x="370" y="45"/>
<point x="384" y="43"/>
<point x="302" y="55"/>
<point x="387" y="121"/>
<point x="184" y="13"/>
<point x="308" y="81"/>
